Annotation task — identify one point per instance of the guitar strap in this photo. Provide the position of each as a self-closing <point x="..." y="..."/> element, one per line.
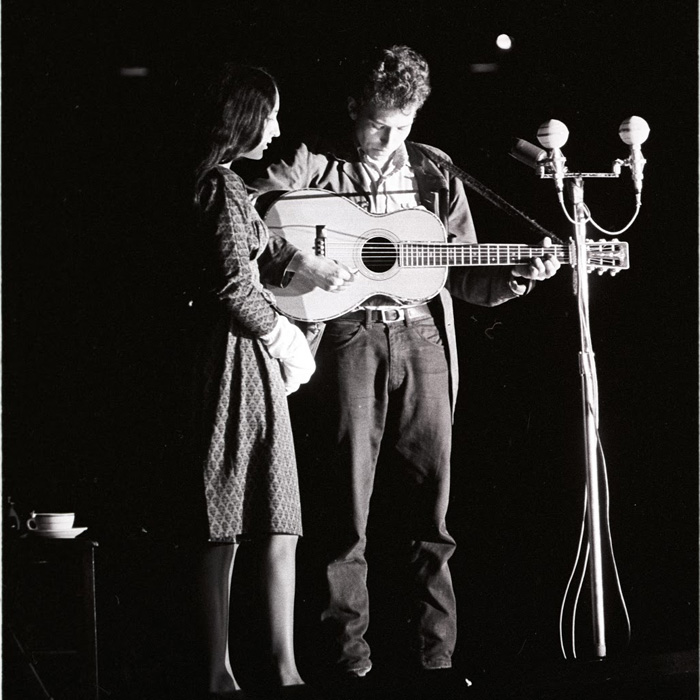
<point x="485" y="192"/>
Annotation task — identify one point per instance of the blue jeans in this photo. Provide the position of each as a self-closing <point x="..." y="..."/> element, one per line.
<point x="386" y="386"/>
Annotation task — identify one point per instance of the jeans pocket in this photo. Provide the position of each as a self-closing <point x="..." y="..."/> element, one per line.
<point x="339" y="335"/>
<point x="428" y="332"/>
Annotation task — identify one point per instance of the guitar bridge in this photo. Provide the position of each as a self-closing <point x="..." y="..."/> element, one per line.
<point x="320" y="241"/>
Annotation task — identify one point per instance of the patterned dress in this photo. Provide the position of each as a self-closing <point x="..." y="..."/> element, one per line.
<point x="242" y="425"/>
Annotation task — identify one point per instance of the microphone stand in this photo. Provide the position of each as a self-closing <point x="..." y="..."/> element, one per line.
<point x="589" y="396"/>
<point x="552" y="135"/>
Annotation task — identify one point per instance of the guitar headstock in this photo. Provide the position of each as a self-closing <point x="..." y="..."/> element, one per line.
<point x="606" y="256"/>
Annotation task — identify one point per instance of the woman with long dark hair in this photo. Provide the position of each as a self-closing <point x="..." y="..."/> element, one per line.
<point x="250" y="357"/>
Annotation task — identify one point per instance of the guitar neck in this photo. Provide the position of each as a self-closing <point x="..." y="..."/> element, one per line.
<point x="476" y="254"/>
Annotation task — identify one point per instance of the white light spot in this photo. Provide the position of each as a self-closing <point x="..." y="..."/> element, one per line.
<point x="504" y="42"/>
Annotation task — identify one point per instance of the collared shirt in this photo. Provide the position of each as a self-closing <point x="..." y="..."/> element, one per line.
<point x="392" y="188"/>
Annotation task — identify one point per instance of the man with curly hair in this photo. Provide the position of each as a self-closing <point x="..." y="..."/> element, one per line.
<point x="386" y="383"/>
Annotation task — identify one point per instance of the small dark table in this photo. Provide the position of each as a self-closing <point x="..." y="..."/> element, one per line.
<point x="51" y="613"/>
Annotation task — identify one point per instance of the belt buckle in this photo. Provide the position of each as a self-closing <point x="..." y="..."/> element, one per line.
<point x="392" y="315"/>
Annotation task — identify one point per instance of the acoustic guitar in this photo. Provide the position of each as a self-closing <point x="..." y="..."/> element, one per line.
<point x="403" y="255"/>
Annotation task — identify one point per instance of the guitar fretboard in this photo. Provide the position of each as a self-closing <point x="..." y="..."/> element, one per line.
<point x="456" y="255"/>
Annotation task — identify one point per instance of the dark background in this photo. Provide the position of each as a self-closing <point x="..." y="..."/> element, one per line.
<point x="94" y="285"/>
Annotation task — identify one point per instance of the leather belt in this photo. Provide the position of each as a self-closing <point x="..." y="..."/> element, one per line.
<point x="389" y="314"/>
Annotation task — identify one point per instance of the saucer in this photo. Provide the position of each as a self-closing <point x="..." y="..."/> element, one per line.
<point x="60" y="534"/>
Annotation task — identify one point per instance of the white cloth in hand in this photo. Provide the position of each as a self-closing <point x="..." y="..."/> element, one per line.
<point x="287" y="343"/>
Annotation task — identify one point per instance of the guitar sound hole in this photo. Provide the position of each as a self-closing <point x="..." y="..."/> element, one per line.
<point x="379" y="254"/>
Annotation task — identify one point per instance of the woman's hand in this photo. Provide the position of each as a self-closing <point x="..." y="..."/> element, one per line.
<point x="287" y="343"/>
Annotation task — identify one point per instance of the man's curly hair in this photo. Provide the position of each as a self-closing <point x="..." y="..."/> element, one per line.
<point x="396" y="78"/>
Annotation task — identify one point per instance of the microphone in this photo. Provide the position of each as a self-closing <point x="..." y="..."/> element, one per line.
<point x="634" y="132"/>
<point x="529" y="154"/>
<point x="553" y="135"/>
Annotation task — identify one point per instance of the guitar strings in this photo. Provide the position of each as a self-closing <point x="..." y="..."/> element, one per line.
<point x="601" y="254"/>
<point x="472" y="250"/>
<point x="465" y="246"/>
<point x="481" y="252"/>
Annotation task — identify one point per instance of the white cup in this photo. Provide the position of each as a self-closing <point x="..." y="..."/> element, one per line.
<point x="50" y="522"/>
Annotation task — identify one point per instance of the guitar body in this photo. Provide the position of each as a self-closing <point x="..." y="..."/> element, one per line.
<point x="366" y="243"/>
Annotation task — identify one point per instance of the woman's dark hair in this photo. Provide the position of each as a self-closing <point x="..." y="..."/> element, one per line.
<point x="232" y="116"/>
<point x="393" y="78"/>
